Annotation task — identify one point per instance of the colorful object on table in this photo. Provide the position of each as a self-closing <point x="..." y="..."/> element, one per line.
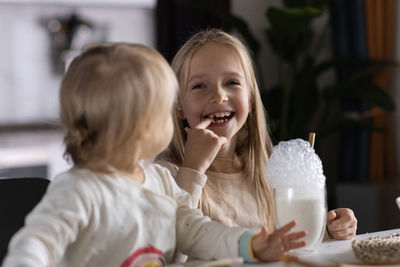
<point x="382" y="249"/>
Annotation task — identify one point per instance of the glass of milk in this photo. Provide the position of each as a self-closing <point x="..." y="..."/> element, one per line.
<point x="307" y="206"/>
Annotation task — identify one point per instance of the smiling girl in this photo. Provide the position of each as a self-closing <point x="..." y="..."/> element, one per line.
<point x="221" y="143"/>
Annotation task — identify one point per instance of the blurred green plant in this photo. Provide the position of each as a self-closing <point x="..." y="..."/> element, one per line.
<point x="299" y="103"/>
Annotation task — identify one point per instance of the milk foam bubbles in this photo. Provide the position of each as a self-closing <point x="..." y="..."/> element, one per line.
<point x="295" y="173"/>
<point x="294" y="163"/>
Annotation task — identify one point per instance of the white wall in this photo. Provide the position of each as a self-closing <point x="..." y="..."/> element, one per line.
<point x="28" y="86"/>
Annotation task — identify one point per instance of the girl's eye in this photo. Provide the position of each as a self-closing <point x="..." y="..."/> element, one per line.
<point x="233" y="83"/>
<point x="198" y="86"/>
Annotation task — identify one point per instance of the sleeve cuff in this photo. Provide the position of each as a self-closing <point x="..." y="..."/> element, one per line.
<point x="245" y="247"/>
<point x="196" y="177"/>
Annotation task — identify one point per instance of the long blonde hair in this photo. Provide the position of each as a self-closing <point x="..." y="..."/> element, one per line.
<point x="108" y="96"/>
<point x="254" y="143"/>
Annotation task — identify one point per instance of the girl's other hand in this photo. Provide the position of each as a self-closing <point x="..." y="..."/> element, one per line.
<point x="272" y="247"/>
<point x="202" y="146"/>
<point x="341" y="224"/>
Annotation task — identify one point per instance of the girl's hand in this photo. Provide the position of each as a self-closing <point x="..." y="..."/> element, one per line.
<point x="341" y="224"/>
<point x="274" y="246"/>
<point x="202" y="146"/>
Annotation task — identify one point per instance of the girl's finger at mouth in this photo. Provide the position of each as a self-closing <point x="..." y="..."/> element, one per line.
<point x="204" y="123"/>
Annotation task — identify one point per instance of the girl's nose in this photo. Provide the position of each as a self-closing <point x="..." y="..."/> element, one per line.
<point x="219" y="96"/>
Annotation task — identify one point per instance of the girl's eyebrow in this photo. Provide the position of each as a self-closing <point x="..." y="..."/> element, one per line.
<point x="195" y="77"/>
<point x="201" y="76"/>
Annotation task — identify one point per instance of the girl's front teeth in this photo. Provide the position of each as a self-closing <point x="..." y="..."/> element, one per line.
<point x="222" y="114"/>
<point x="221" y="117"/>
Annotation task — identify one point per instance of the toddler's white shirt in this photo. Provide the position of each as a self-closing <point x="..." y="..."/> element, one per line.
<point x="93" y="219"/>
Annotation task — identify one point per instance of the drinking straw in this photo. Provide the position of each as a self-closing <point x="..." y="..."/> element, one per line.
<point x="311" y="139"/>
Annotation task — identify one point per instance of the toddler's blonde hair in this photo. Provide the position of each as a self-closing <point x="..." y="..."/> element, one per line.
<point x="109" y="95"/>
<point x="254" y="143"/>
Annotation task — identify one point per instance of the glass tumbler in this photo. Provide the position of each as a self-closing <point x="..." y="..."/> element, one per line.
<point x="308" y="207"/>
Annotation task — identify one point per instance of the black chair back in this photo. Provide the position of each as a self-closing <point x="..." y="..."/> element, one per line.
<point x="18" y="196"/>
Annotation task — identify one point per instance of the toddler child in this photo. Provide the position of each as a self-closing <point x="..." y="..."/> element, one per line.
<point x="114" y="207"/>
<point x="221" y="144"/>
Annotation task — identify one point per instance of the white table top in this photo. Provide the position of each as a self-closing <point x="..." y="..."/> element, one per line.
<point x="337" y="251"/>
<point x="329" y="253"/>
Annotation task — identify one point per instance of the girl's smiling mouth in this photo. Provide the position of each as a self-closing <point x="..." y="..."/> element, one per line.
<point x="220" y="117"/>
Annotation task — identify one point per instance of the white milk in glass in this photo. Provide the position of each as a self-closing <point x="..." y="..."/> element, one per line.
<point x="305" y="205"/>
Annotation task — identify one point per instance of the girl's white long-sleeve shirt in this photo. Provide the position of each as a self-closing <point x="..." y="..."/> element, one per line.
<point x="92" y="219"/>
<point x="232" y="201"/>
